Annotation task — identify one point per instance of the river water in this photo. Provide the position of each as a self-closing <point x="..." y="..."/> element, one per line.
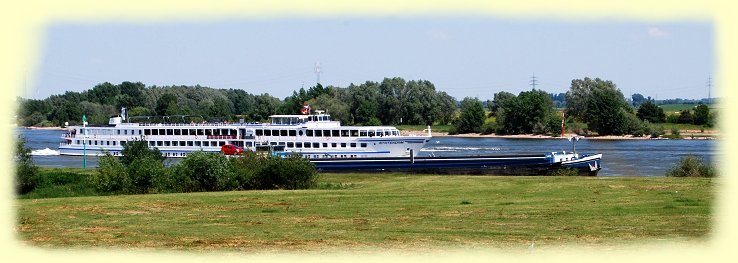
<point x="620" y="157"/>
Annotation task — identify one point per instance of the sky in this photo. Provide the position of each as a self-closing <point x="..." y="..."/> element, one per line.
<point x="469" y="56"/>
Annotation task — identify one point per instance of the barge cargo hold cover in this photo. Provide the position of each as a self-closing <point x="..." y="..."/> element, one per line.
<point x="532" y="164"/>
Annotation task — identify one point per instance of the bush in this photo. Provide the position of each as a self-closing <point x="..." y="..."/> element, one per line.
<point x="691" y="166"/>
<point x="26" y="173"/>
<point x="139" y="149"/>
<point x="207" y="171"/>
<point x="142" y="173"/>
<point x="489" y="126"/>
<point x="272" y="172"/>
<point x="111" y="176"/>
<point x="657" y="131"/>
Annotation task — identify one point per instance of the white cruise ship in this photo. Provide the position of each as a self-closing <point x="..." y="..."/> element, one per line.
<point x="311" y="135"/>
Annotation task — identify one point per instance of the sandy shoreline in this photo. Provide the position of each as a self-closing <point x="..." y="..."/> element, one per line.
<point x="685" y="136"/>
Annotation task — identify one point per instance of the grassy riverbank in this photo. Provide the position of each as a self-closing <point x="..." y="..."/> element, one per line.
<point x="384" y="211"/>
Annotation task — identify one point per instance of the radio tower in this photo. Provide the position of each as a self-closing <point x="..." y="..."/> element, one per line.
<point x="317" y="71"/>
<point x="709" y="89"/>
<point x="533" y="81"/>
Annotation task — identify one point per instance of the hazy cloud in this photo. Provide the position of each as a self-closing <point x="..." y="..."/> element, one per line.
<point x="438" y="35"/>
<point x="655" y="32"/>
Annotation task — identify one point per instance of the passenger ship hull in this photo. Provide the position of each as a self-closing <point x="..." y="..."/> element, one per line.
<point x="313" y="136"/>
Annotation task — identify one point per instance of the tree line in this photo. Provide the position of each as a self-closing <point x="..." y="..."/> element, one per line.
<point x="591" y="106"/>
<point x="392" y="101"/>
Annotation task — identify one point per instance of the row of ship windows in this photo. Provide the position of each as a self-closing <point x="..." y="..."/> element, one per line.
<point x="318" y="145"/>
<point x="221" y="143"/>
<point x="158" y="143"/>
<point x="259" y="132"/>
<point x="328" y="133"/>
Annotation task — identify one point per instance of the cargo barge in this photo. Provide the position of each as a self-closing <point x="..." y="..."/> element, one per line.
<point x="526" y="164"/>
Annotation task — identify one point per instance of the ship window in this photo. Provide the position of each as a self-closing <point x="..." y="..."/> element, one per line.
<point x="221" y="143"/>
<point x="167" y="143"/>
<point x="95" y="142"/>
<point x="283" y="133"/>
<point x="158" y="143"/>
<point x="326" y="133"/>
<point x="107" y="142"/>
<point x="114" y="143"/>
<point x="343" y="145"/>
<point x="363" y="145"/>
<point x="344" y="133"/>
<point x="197" y="144"/>
<point x="268" y="132"/>
<point x="334" y="145"/>
<point x="189" y="143"/>
<point x="298" y="145"/>
<point x="316" y="145"/>
<point x="353" y="145"/>
<point x="151" y="143"/>
<point x="248" y="144"/>
<point x="175" y="143"/>
<point x="293" y="133"/>
<point x="125" y="132"/>
<point x="354" y="133"/>
<point x="362" y="133"/>
<point x="371" y="133"/>
<point x="307" y="145"/>
<point x="77" y="141"/>
<point x="177" y="132"/>
<point x="118" y="132"/>
<point x="154" y="132"/>
<point x="334" y="133"/>
<point x="290" y="144"/>
<point x="309" y="133"/>
<point x="325" y="145"/>
<point x="193" y="132"/>
<point x="300" y="133"/>
<point x="386" y="132"/>
<point x="206" y="144"/>
<point x="259" y="132"/>
<point x="318" y="133"/>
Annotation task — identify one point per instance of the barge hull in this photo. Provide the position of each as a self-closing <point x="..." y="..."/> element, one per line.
<point x="472" y="165"/>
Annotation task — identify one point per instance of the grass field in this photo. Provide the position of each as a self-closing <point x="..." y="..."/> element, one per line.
<point x="358" y="212"/>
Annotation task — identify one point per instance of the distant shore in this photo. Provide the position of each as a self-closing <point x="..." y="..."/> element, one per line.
<point x="55" y="128"/>
<point x="686" y="135"/>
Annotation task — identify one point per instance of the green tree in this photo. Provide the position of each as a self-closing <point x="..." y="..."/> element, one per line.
<point x="529" y="112"/>
<point x="499" y="101"/>
<point x="601" y="105"/>
<point x="166" y="105"/>
<point x="472" y="116"/>
<point x="685" y="117"/>
<point x="26" y="173"/>
<point x="111" y="176"/>
<point x="139" y="149"/>
<point x="650" y="112"/>
<point x="701" y="114"/>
